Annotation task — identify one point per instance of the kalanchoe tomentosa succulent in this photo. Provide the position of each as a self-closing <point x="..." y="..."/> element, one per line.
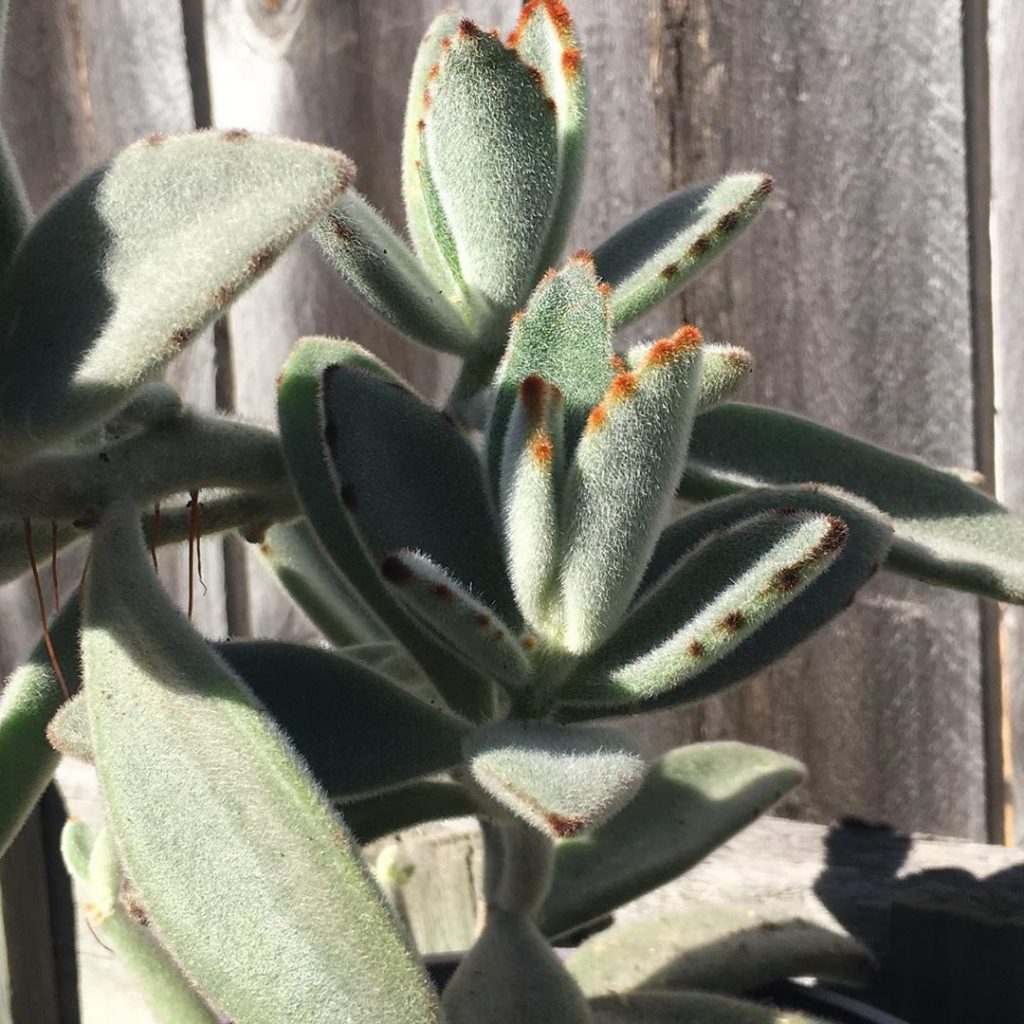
<point x="494" y="577"/>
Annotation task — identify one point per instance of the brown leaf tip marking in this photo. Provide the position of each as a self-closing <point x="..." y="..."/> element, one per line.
<point x="155" y="139"/>
<point x="571" y="61"/>
<point x="348" y="496"/>
<point x="533" y="393"/>
<point x="395" y="571"/>
<point x="596" y="419"/>
<point x="734" y="621"/>
<point x="549" y="275"/>
<point x="468" y="29"/>
<point x="741" y="359"/>
<point x="555" y="10"/>
<point x="606" y="290"/>
<point x="584" y="257"/>
<point x="234" y="134"/>
<point x="765" y="186"/>
<point x="552" y="105"/>
<point x="835" y="536"/>
<point x="618" y="364"/>
<point x="443" y="591"/>
<point x="542" y="448"/>
<point x="180" y="338"/>
<point x="666" y="351"/>
<point x="564" y="826"/>
<point x="622" y="387"/>
<point x="697" y="649"/>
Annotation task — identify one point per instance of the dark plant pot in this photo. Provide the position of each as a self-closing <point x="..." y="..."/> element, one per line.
<point x="841" y="1009"/>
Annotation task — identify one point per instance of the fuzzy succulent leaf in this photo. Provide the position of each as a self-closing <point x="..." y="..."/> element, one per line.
<point x="68" y="731"/>
<point x="473" y="628"/>
<point x="693" y="799"/>
<point x="392" y="660"/>
<point x="491" y="141"/>
<point x="301" y="419"/>
<point x="358" y="732"/>
<point x="94" y="865"/>
<point x="532" y="472"/>
<point x="415" y="804"/>
<point x="561" y="780"/>
<point x="563" y="337"/>
<point x="318" y="586"/>
<point x="869" y="535"/>
<point x="715" y="948"/>
<point x="76" y="843"/>
<point x="29" y="700"/>
<point x="725" y="371"/>
<point x="545" y="38"/>
<point x="379" y="266"/>
<point x="192" y="451"/>
<point x="123" y="271"/>
<point x="170" y="722"/>
<point x="620" y="484"/>
<point x="726" y="589"/>
<point x="152" y="404"/>
<point x="512" y="976"/>
<point x="946" y="531"/>
<point x="658" y="252"/>
<point x="431" y="236"/>
<point x="412" y="480"/>
<point x="690" y="1008"/>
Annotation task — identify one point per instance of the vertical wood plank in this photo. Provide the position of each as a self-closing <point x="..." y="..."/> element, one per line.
<point x="854" y="295"/>
<point x="1006" y="110"/>
<point x="82" y="78"/>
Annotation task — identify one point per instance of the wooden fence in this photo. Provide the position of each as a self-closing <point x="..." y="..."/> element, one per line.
<point x="881" y="293"/>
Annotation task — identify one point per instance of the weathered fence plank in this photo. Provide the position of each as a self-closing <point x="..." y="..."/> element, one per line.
<point x="1006" y="110"/>
<point x="854" y="295"/>
<point x="80" y="81"/>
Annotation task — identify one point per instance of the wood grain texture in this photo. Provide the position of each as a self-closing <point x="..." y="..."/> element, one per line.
<point x="1006" y="111"/>
<point x="853" y="292"/>
<point x="82" y="78"/>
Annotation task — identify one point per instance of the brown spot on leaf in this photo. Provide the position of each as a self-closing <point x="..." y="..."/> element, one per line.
<point x="623" y="386"/>
<point x="564" y="826"/>
<point x="734" y="621"/>
<point x="596" y="419"/>
<point x="687" y="339"/>
<point x="668" y="271"/>
<point x="234" y="135"/>
<point x="835" y="536"/>
<point x="700" y="246"/>
<point x="180" y="338"/>
<point x="536" y="75"/>
<point x="433" y="72"/>
<point x="529" y="642"/>
<point x="443" y="591"/>
<point x="155" y="139"/>
<point x="261" y="261"/>
<point x="394" y="570"/>
<point x="223" y="296"/>
<point x="787" y="579"/>
<point x="483" y="619"/>
<point x="552" y="106"/>
<point x="468" y="29"/>
<point x="767" y="183"/>
<point x="605" y="289"/>
<point x="571" y="60"/>
<point x="549" y="274"/>
<point x="340" y="229"/>
<point x="584" y="256"/>
<point x="728" y="222"/>
<point x="446" y="44"/>
<point x="696" y="649"/>
<point x="533" y="393"/>
<point x="619" y="364"/>
<point x="542" y="449"/>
